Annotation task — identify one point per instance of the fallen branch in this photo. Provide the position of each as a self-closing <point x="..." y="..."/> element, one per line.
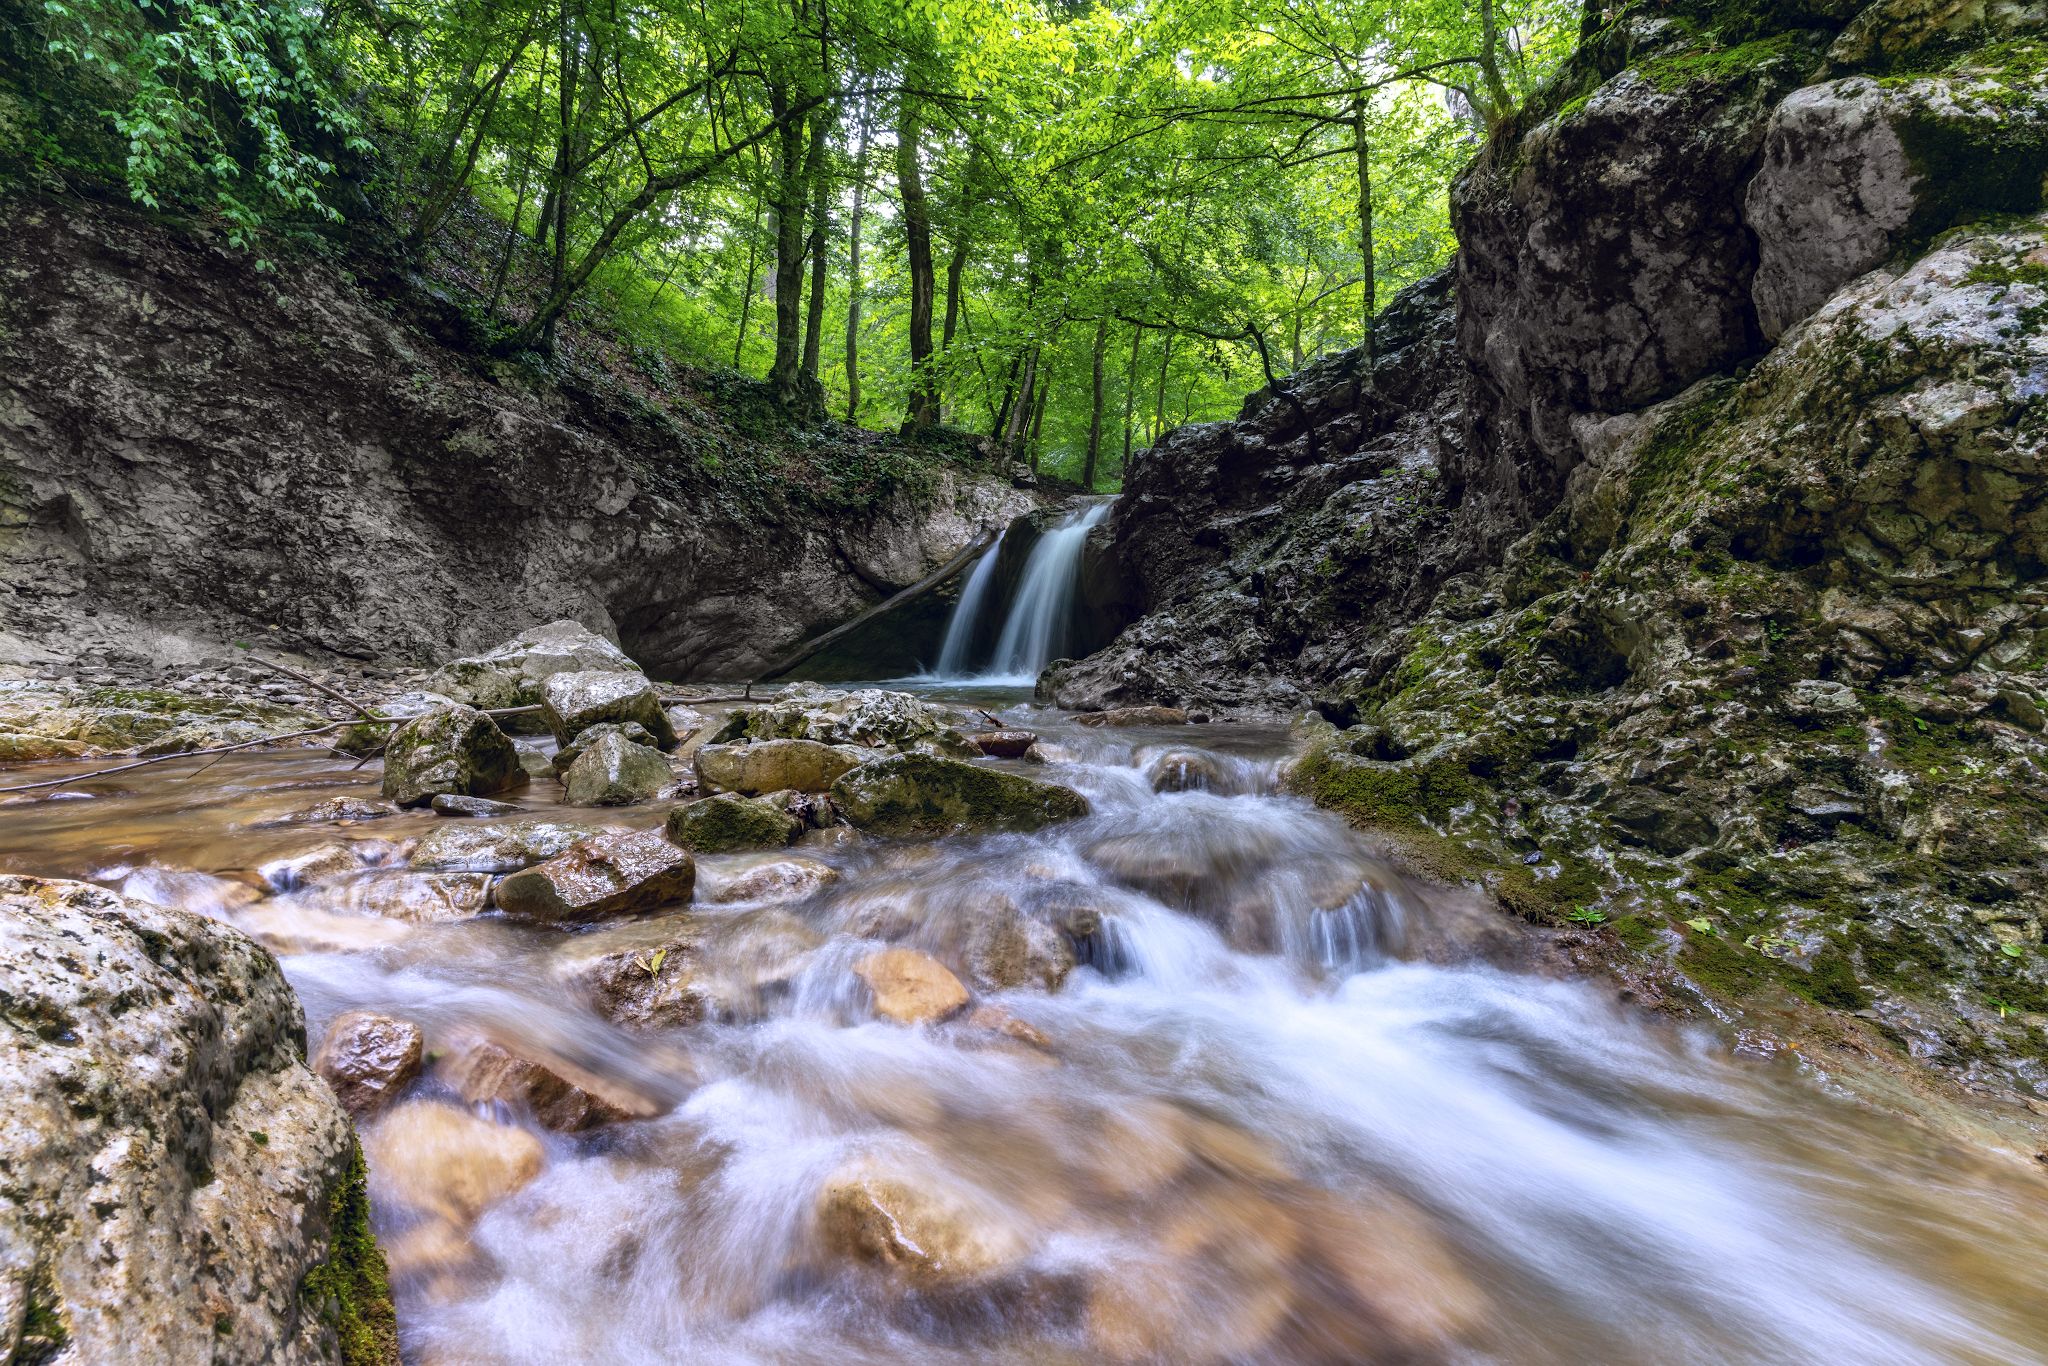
<point x="916" y="590"/>
<point x="317" y="685"/>
<point x="328" y="729"/>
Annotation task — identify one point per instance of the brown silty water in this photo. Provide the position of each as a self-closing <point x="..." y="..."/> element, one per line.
<point x="1229" y="1090"/>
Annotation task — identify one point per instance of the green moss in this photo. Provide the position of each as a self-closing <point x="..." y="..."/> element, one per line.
<point x="728" y="823"/>
<point x="1635" y="932"/>
<point x="1829" y="980"/>
<point x="351" y="1290"/>
<point x="1797" y="51"/>
<point x="1401" y="792"/>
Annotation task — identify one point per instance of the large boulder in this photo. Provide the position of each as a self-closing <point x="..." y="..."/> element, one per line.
<point x="641" y="975"/>
<point x="449" y="749"/>
<point x="572" y="703"/>
<point x="566" y="756"/>
<point x="497" y="847"/>
<point x="180" y="1186"/>
<point x="1856" y="168"/>
<point x="616" y="873"/>
<point x="613" y="771"/>
<point x="919" y="796"/>
<point x="729" y="823"/>
<point x="871" y="718"/>
<point x="771" y="766"/>
<point x="510" y="675"/>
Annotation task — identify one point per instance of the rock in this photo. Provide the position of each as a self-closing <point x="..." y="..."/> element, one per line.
<point x="453" y="749"/>
<point x="417" y="898"/>
<point x="770" y="766"/>
<point x="1007" y="949"/>
<point x="496" y="848"/>
<point x="611" y="874"/>
<point x="572" y="703"/>
<point x="996" y="1020"/>
<point x="1215" y="1289"/>
<point x="29" y="749"/>
<point x="687" y="722"/>
<point x="568" y="754"/>
<point x="285" y="928"/>
<point x="913" y="1227"/>
<point x="1004" y="744"/>
<point x="449" y="804"/>
<point x="369" y="1059"/>
<point x="613" y="771"/>
<point x="1185" y="770"/>
<point x="640" y="975"/>
<point x="870" y="718"/>
<point x="1135" y="716"/>
<point x="730" y="823"/>
<point x="180" y="1186"/>
<point x="558" y="1094"/>
<point x="510" y="675"/>
<point x="336" y="810"/>
<point x="323" y="864"/>
<point x="917" y="796"/>
<point x="444" y="1161"/>
<point x="1839" y="191"/>
<point x="911" y="987"/>
<point x="790" y="878"/>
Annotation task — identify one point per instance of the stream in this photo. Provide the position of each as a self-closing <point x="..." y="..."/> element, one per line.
<point x="1286" y="1108"/>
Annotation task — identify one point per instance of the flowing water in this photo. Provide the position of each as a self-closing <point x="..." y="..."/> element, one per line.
<point x="1037" y="617"/>
<point x="1285" y="1108"/>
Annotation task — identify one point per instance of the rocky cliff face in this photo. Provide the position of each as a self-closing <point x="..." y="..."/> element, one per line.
<point x="179" y="1185"/>
<point x="1710" y="607"/>
<point x="191" y="454"/>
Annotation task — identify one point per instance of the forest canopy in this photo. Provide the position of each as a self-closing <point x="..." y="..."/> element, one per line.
<point x="1064" y="225"/>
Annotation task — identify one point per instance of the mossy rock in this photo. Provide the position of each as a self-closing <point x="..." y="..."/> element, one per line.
<point x="730" y="824"/>
<point x="351" y="1291"/>
<point x="918" y="796"/>
<point x="456" y="750"/>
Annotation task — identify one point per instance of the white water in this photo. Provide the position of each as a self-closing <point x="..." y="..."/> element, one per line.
<point x="960" y="630"/>
<point x="1035" y="626"/>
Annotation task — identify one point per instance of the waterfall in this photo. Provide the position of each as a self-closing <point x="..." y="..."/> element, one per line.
<point x="960" y="630"/>
<point x="1035" y="626"/>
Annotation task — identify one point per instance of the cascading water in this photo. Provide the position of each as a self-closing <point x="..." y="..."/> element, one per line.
<point x="1229" y="1091"/>
<point x="1035" y="626"/>
<point x="966" y="619"/>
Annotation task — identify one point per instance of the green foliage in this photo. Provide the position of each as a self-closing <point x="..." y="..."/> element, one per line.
<point x="351" y="1291"/>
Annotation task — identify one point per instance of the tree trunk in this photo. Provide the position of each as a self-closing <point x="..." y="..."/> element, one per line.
<point x="1015" y="426"/>
<point x="996" y="428"/>
<point x="1130" y="397"/>
<point x="853" y="283"/>
<point x="1095" y="410"/>
<point x="790" y="189"/>
<point x="970" y="191"/>
<point x="816" y="169"/>
<point x="1038" y="424"/>
<point x="1367" y="288"/>
<point x="739" y="342"/>
<point x="1159" y="397"/>
<point x="917" y="236"/>
<point x="1499" y="100"/>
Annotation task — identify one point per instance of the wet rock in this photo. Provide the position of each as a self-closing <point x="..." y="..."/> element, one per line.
<point x="338" y="811"/>
<point x="285" y="928"/>
<point x="369" y="1059"/>
<point x="613" y="771"/>
<point x="414" y="897"/>
<point x="572" y="703"/>
<point x="558" y="1094"/>
<point x="494" y="848"/>
<point x="449" y="804"/>
<point x="174" y="1169"/>
<point x="730" y="823"/>
<point x="641" y="975"/>
<point x="611" y="874"/>
<point x="1135" y="716"/>
<point x="1185" y="770"/>
<point x="910" y="987"/>
<point x="914" y="1227"/>
<point x="453" y="749"/>
<point x="29" y="749"/>
<point x="917" y="796"/>
<point x="323" y="864"/>
<point x="511" y="674"/>
<point x="687" y="722"/>
<point x="1004" y="744"/>
<point x="771" y="766"/>
<point x="870" y="718"/>
<point x="1216" y="1288"/>
<point x="444" y="1161"/>
<point x="996" y="1020"/>
<point x="1007" y="949"/>
<point x="568" y="754"/>
<point x="1387" y="1254"/>
<point x="789" y="878"/>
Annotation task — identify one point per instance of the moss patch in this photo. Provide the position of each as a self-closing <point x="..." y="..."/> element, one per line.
<point x="351" y="1290"/>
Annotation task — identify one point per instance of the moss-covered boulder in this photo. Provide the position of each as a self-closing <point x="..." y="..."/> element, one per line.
<point x="920" y="796"/>
<point x="730" y="823"/>
<point x="449" y="749"/>
<point x="572" y="703"/>
<point x="614" y="771"/>
<point x="752" y="768"/>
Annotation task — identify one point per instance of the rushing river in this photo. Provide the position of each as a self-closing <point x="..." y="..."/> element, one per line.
<point x="1287" y="1108"/>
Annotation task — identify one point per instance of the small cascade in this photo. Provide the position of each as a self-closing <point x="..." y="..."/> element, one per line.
<point x="1035" y="624"/>
<point x="966" y="619"/>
